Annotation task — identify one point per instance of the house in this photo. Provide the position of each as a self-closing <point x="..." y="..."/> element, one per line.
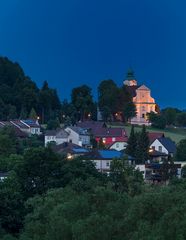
<point x="101" y="131"/>
<point x="156" y="156"/>
<point x="118" y="145"/>
<point x="79" y="136"/>
<point x="70" y="150"/>
<point x="103" y="158"/>
<point x="110" y="135"/>
<point x="58" y="136"/>
<point x="155" y="172"/>
<point x="164" y="145"/>
<point x="141" y="96"/>
<point x="18" y="132"/>
<point x="29" y="126"/>
<point x="3" y="176"/>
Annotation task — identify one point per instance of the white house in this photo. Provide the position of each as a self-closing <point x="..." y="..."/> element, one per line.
<point x="58" y="136"/>
<point x="78" y="135"/>
<point x="164" y="145"/>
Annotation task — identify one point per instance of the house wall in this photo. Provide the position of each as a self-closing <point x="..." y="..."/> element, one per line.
<point x="157" y="144"/>
<point x="141" y="168"/>
<point x="49" y="139"/>
<point x="102" y="165"/>
<point x="73" y="136"/>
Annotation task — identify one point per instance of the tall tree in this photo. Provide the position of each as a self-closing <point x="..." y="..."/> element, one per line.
<point x="132" y="143"/>
<point x="142" y="150"/>
<point x="82" y="101"/>
<point x="107" y="97"/>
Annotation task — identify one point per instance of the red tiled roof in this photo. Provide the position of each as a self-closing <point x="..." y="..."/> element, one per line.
<point x="154" y="135"/>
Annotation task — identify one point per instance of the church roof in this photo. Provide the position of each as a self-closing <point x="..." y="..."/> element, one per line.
<point x="143" y="87"/>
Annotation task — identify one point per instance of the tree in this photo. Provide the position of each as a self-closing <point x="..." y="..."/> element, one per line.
<point x="124" y="177"/>
<point x="129" y="111"/>
<point x="181" y="119"/>
<point x="142" y="150"/>
<point x="53" y="124"/>
<point x="158" y="121"/>
<point x="82" y="101"/>
<point x="181" y="151"/>
<point x="132" y="143"/>
<point x="107" y="98"/>
<point x="170" y="115"/>
<point x="33" y="114"/>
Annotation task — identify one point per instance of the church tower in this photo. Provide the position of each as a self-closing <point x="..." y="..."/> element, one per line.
<point x="130" y="78"/>
<point x="141" y="97"/>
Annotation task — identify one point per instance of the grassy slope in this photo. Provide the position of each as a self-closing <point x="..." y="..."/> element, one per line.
<point x="176" y="134"/>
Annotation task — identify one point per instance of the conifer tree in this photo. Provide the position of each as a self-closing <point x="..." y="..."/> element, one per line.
<point x="33" y="114"/>
<point x="142" y="150"/>
<point x="132" y="143"/>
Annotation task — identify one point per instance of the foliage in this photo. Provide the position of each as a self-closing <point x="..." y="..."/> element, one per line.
<point x="19" y="94"/>
<point x="158" y="121"/>
<point x="181" y="151"/>
<point x="142" y="146"/>
<point x="132" y="143"/>
<point x="112" y="100"/>
<point x="129" y="111"/>
<point x="82" y="101"/>
<point x="53" y="124"/>
<point x="181" y="119"/>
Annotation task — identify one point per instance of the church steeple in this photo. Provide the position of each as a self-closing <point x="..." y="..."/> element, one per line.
<point x="130" y="74"/>
<point x="130" y="78"/>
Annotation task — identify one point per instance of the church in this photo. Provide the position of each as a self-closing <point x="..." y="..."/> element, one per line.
<point x="142" y="99"/>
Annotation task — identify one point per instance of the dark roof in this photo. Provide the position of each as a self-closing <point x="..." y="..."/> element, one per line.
<point x="154" y="135"/>
<point x="91" y="124"/>
<point x="59" y="133"/>
<point x="80" y="130"/>
<point x="109" y="132"/>
<point x="154" y="153"/>
<point x="67" y="147"/>
<point x="17" y="130"/>
<point x="168" y="144"/>
<point x="31" y="123"/>
<point x="19" y="124"/>
<point x="50" y="132"/>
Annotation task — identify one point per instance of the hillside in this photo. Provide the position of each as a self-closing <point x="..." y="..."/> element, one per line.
<point x="176" y="134"/>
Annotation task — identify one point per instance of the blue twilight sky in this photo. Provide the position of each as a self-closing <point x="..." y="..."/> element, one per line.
<point x="74" y="42"/>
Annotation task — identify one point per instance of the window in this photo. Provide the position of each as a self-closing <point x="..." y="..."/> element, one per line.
<point x="107" y="164"/>
<point x="143" y="115"/>
<point x="160" y="148"/>
<point x="117" y="145"/>
<point x="113" y="139"/>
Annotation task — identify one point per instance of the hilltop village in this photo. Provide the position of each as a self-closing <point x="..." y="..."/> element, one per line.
<point x="86" y="160"/>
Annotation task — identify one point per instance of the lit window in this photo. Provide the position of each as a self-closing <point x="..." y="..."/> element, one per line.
<point x="113" y="139"/>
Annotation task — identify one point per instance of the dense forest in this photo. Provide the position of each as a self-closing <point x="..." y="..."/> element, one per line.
<point x="20" y="96"/>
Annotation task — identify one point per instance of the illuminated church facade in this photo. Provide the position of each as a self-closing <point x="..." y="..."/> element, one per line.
<point x="142" y="99"/>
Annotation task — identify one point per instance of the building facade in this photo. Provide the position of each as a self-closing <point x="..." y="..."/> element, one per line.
<point x="141" y="96"/>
